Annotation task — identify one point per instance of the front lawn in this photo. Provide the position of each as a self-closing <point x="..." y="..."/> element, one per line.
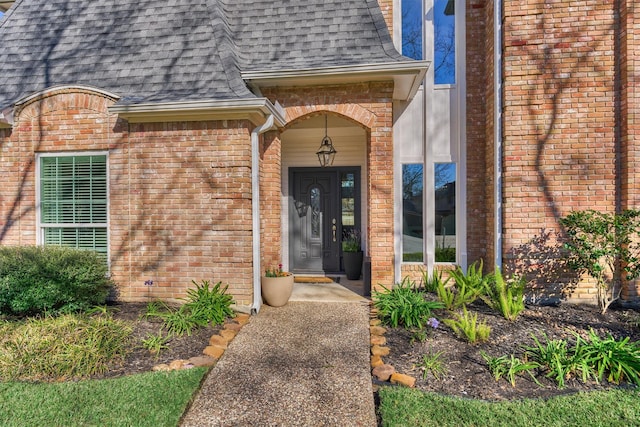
<point x="409" y="407"/>
<point x="150" y="399"/>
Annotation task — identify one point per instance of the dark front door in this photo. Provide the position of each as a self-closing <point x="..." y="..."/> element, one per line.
<point x="314" y="231"/>
<point x="324" y="207"/>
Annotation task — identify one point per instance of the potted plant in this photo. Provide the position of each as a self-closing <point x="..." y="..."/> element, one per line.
<point x="352" y="254"/>
<point x="277" y="286"/>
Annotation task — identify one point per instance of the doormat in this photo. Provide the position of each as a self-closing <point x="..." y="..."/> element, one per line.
<point x="312" y="279"/>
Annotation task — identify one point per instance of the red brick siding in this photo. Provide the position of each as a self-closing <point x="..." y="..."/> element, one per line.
<point x="189" y="208"/>
<point x="629" y="63"/>
<point x="270" y="201"/>
<point x="559" y="115"/>
<point x="479" y="161"/>
<point x="180" y="193"/>
<point x="386" y="6"/>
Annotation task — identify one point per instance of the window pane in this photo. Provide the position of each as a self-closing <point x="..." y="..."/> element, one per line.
<point x="444" y="61"/>
<point x="412" y="28"/>
<point x="445" y="212"/>
<point x="347" y="197"/>
<point x="412" y="219"/>
<point x="73" y="201"/>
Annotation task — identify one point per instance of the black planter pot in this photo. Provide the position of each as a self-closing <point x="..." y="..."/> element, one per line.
<point x="352" y="264"/>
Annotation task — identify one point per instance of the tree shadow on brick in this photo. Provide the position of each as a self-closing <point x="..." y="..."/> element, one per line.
<point x="543" y="262"/>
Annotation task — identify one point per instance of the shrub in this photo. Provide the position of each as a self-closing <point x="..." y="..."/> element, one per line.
<point x="592" y="357"/>
<point x="431" y="284"/>
<point x="605" y="246"/>
<point x="209" y="304"/>
<point x="509" y="366"/>
<point x="403" y="305"/>
<point x="506" y="297"/>
<point x="468" y="287"/>
<point x="619" y="360"/>
<point x="203" y="305"/>
<point x="51" y="279"/>
<point x="65" y="347"/>
<point x="465" y="325"/>
<point x="432" y="362"/>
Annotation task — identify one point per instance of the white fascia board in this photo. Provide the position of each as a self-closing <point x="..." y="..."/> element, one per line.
<point x="6" y="118"/>
<point x="5" y="5"/>
<point x="407" y="76"/>
<point x="257" y="110"/>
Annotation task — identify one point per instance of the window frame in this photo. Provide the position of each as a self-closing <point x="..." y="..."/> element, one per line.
<point x="40" y="226"/>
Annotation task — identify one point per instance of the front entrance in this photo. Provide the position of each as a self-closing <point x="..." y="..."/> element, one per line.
<point x="325" y="205"/>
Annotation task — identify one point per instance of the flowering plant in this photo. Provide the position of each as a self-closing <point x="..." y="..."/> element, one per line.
<point x="275" y="272"/>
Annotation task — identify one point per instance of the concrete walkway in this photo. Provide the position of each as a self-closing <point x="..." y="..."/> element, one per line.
<point x="303" y="364"/>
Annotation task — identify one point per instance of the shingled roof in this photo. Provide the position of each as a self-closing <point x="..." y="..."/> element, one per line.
<point x="160" y="51"/>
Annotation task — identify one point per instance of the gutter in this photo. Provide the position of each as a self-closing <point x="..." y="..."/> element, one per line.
<point x="254" y="109"/>
<point x="255" y="209"/>
<point x="497" y="123"/>
<point x="406" y="75"/>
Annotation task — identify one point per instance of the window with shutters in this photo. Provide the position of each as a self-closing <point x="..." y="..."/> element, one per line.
<point x="73" y="202"/>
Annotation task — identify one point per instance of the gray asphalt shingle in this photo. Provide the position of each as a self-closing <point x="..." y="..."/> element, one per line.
<point x="181" y="50"/>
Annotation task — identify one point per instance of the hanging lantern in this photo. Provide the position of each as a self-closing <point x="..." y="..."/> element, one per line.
<point x="326" y="153"/>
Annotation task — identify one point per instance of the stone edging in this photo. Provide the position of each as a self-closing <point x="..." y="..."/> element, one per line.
<point x="379" y="370"/>
<point x="213" y="352"/>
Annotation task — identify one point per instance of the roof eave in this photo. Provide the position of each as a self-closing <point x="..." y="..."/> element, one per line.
<point x="407" y="76"/>
<point x="6" y="118"/>
<point x="256" y="110"/>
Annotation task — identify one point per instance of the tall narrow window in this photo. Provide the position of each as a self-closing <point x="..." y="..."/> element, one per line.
<point x="444" y="43"/>
<point x="445" y="212"/>
<point x="412" y="218"/>
<point x="412" y="28"/>
<point x="73" y="202"/>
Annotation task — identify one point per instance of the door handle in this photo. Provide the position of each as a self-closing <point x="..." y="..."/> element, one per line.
<point x="333" y="229"/>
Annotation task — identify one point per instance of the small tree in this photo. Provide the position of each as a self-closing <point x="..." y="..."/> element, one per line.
<point x="605" y="246"/>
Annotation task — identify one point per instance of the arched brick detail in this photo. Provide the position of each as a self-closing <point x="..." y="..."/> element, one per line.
<point x="354" y="112"/>
<point x="68" y="98"/>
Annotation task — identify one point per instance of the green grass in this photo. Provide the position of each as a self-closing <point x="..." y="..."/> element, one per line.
<point x="149" y="399"/>
<point x="407" y="407"/>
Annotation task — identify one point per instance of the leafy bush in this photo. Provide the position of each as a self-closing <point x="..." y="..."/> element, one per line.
<point x="209" y="304"/>
<point x="403" y="305"/>
<point x="506" y="297"/>
<point x="203" y="305"/>
<point x="604" y="246"/>
<point x="593" y="357"/>
<point x="432" y="362"/>
<point x="431" y="284"/>
<point x="66" y="347"/>
<point x="468" y="287"/>
<point x="509" y="366"/>
<point x="156" y="343"/>
<point x="554" y="356"/>
<point x="51" y="279"/>
<point x="465" y="325"/>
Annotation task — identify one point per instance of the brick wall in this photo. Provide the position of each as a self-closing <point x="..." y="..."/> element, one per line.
<point x="188" y="208"/>
<point x="628" y="52"/>
<point x="180" y="193"/>
<point x="479" y="161"/>
<point x="559" y="118"/>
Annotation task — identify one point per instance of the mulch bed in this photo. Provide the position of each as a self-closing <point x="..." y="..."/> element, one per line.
<point x="467" y="374"/>
<point x="139" y="359"/>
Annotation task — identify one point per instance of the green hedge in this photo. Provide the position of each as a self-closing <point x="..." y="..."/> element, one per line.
<point x="51" y="279"/>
